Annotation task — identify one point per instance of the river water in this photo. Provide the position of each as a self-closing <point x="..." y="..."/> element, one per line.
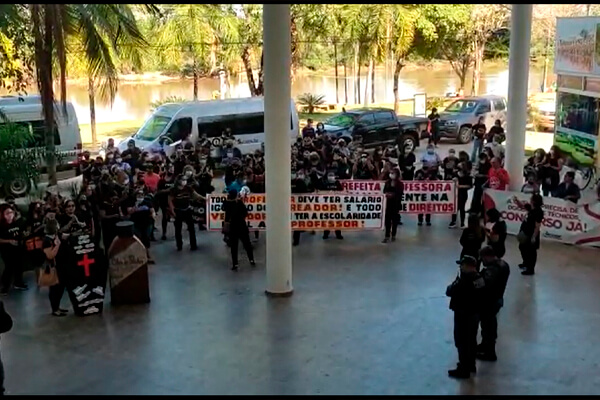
<point x="133" y="99"/>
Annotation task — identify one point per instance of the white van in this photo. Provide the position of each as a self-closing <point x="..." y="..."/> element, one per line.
<point x="245" y="118"/>
<point x="27" y="111"/>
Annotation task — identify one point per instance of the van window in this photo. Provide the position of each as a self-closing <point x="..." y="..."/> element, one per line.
<point x="153" y="127"/>
<point x="180" y="129"/>
<point x="240" y="124"/>
<point x="36" y="129"/>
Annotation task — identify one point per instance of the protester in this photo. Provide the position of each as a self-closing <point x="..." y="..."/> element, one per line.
<point x="393" y="190"/>
<point x="364" y="168"/>
<point x="496" y="232"/>
<point x="552" y="166"/>
<point x="496" y="131"/>
<point x="300" y="185"/>
<point x="308" y="131"/>
<point x="427" y="174"/>
<point x="497" y="148"/>
<point x="11" y="251"/>
<point x="331" y="184"/>
<point x="531" y="185"/>
<point x="498" y="178"/>
<point x="406" y="162"/>
<point x="466" y="293"/>
<point x="464" y="183"/>
<point x="568" y="189"/>
<point x="479" y="131"/>
<point x="236" y="228"/>
<point x="434" y="122"/>
<point x="472" y="238"/>
<point x="481" y="179"/>
<point x="180" y="198"/>
<point x="431" y="158"/>
<point x="495" y="275"/>
<point x="529" y="233"/>
<point x="450" y="165"/>
<point x="52" y="246"/>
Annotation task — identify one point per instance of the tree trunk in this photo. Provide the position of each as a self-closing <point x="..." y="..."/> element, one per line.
<point x="213" y="56"/>
<point x="260" y="89"/>
<point x="228" y="83"/>
<point x="372" y="81"/>
<point x="356" y="77"/>
<point x="195" y="72"/>
<point x="248" y="68"/>
<point x="92" y="98"/>
<point x="345" y="85"/>
<point x="366" y="98"/>
<point x="337" y="96"/>
<point x="479" y="47"/>
<point x="397" y="69"/>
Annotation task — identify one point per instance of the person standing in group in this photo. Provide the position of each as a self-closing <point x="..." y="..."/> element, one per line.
<point x="308" y="131"/>
<point x="496" y="131"/>
<point x="568" y="189"/>
<point x="464" y="183"/>
<point x="393" y="190"/>
<point x="529" y="233"/>
<point x="498" y="178"/>
<point x="331" y="184"/>
<point x="165" y="185"/>
<point x="495" y="274"/>
<point x="6" y="324"/>
<point x="479" y="132"/>
<point x="434" y="122"/>
<point x="531" y="184"/>
<point x="427" y="174"/>
<point x="406" y="163"/>
<point x="180" y="198"/>
<point x="465" y="298"/>
<point x="481" y="179"/>
<point x="52" y="246"/>
<point x="11" y="233"/>
<point x="300" y="185"/>
<point x="472" y="238"/>
<point x="110" y="214"/>
<point x="236" y="228"/>
<point x="552" y="166"/>
<point x="496" y="232"/>
<point x="431" y="158"/>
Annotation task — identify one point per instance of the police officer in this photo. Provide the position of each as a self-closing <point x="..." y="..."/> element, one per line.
<point x="300" y="185"/>
<point x="465" y="295"/>
<point x="331" y="184"/>
<point x="495" y="274"/>
<point x="180" y="199"/>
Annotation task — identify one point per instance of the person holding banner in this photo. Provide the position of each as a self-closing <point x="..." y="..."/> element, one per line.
<point x="464" y="183"/>
<point x="236" y="228"/>
<point x="331" y="184"/>
<point x="300" y="185"/>
<point x="529" y="233"/>
<point x="406" y="163"/>
<point x="430" y="173"/>
<point x="393" y="190"/>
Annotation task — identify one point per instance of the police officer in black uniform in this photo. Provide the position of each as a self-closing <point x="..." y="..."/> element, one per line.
<point x="331" y="184"/>
<point x="465" y="295"/>
<point x="300" y="185"/>
<point x="495" y="274"/>
<point x="180" y="199"/>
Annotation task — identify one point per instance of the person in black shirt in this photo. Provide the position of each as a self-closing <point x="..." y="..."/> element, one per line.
<point x="406" y="163"/>
<point x="434" y="119"/>
<point x="450" y="165"/>
<point x="481" y="179"/>
<point x="466" y="293"/>
<point x="529" y="233"/>
<point x="551" y="166"/>
<point x="495" y="274"/>
<point x="165" y="184"/>
<point x="110" y="214"/>
<point x="393" y="190"/>
<point x="364" y="169"/>
<point x="568" y="190"/>
<point x="232" y="171"/>
<point x="180" y="199"/>
<point x="85" y="166"/>
<point x="10" y="250"/>
<point x="464" y="157"/>
<point x="472" y="238"/>
<point x="479" y="131"/>
<point x="331" y="184"/>
<point x="464" y="183"/>
<point x="308" y="131"/>
<point x="132" y="155"/>
<point x="496" y="232"/>
<point x="178" y="160"/>
<point x="300" y="185"/>
<point x="496" y="130"/>
<point x="235" y="218"/>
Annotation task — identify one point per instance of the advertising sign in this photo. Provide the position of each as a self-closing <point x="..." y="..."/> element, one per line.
<point x="576" y="47"/>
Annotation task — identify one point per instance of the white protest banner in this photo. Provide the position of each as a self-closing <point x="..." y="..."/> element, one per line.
<point x="429" y="197"/>
<point x="333" y="211"/>
<point x="564" y="221"/>
<point x="360" y="186"/>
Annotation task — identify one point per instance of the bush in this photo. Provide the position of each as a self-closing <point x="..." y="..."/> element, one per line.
<point x="171" y="99"/>
<point x="309" y="101"/>
<point x="437" y="102"/>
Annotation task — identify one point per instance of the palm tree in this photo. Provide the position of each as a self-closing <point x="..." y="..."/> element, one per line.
<point x="403" y="29"/>
<point x="53" y="25"/>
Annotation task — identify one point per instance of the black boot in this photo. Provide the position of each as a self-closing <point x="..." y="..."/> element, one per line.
<point x="459" y="373"/>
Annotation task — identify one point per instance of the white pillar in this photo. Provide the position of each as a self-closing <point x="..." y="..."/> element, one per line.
<point x="277" y="62"/>
<point x="518" y="83"/>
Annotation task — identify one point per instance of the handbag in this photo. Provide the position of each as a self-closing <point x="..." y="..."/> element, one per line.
<point x="48" y="276"/>
<point x="523" y="238"/>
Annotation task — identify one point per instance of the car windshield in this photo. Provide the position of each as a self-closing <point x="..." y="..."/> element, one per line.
<point x="343" y="120"/>
<point x="462" y="106"/>
<point x="153" y="127"/>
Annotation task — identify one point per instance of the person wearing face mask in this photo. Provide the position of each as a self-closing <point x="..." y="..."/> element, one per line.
<point x="204" y="173"/>
<point x="178" y="160"/>
<point x="481" y="179"/>
<point x="237" y="228"/>
<point x="535" y="165"/>
<point x="331" y="184"/>
<point x="141" y="212"/>
<point x="340" y="166"/>
<point x="300" y="185"/>
<point x="426" y="174"/>
<point x="496" y="131"/>
<point x="431" y="159"/>
<point x="11" y="235"/>
<point x="531" y="185"/>
<point x="479" y="131"/>
<point x="464" y="183"/>
<point x="393" y="190"/>
<point x="390" y="151"/>
<point x="498" y="178"/>
<point x="496" y="147"/>
<point x="258" y="171"/>
<point x="364" y="169"/>
<point x="166" y="183"/>
<point x="231" y="171"/>
<point x="110" y="214"/>
<point x="316" y="169"/>
<point x="230" y="152"/>
<point x="466" y="294"/>
<point x="51" y="246"/>
<point x="320" y="132"/>
<point x="552" y="166"/>
<point x="450" y="165"/>
<point x="495" y="274"/>
<point x="180" y="199"/>
<point x="85" y="166"/>
<point x="406" y="163"/>
<point x="307" y="145"/>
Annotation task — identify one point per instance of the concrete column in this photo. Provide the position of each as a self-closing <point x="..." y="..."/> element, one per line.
<point x="518" y="80"/>
<point x="277" y="62"/>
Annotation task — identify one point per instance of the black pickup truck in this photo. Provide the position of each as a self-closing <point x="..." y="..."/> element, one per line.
<point x="377" y="126"/>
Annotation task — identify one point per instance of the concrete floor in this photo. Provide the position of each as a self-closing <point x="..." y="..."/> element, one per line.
<point x="366" y="318"/>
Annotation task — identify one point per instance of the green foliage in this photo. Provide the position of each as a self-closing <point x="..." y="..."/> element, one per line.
<point x="17" y="159"/>
<point x="170" y="99"/>
<point x="436" y="102"/>
<point x="309" y="101"/>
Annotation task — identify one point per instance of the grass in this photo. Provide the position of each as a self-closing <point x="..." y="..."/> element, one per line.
<point x="116" y="130"/>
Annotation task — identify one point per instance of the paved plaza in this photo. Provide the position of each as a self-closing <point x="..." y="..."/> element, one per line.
<point x="365" y="318"/>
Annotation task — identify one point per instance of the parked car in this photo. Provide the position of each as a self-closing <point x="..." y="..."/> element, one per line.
<point x="460" y="115"/>
<point x="542" y="110"/>
<point x="377" y="126"/>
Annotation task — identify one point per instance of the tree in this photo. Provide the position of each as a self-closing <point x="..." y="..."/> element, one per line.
<point x="251" y="26"/>
<point x="404" y="24"/>
<point x="52" y="26"/>
<point x="16" y="49"/>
